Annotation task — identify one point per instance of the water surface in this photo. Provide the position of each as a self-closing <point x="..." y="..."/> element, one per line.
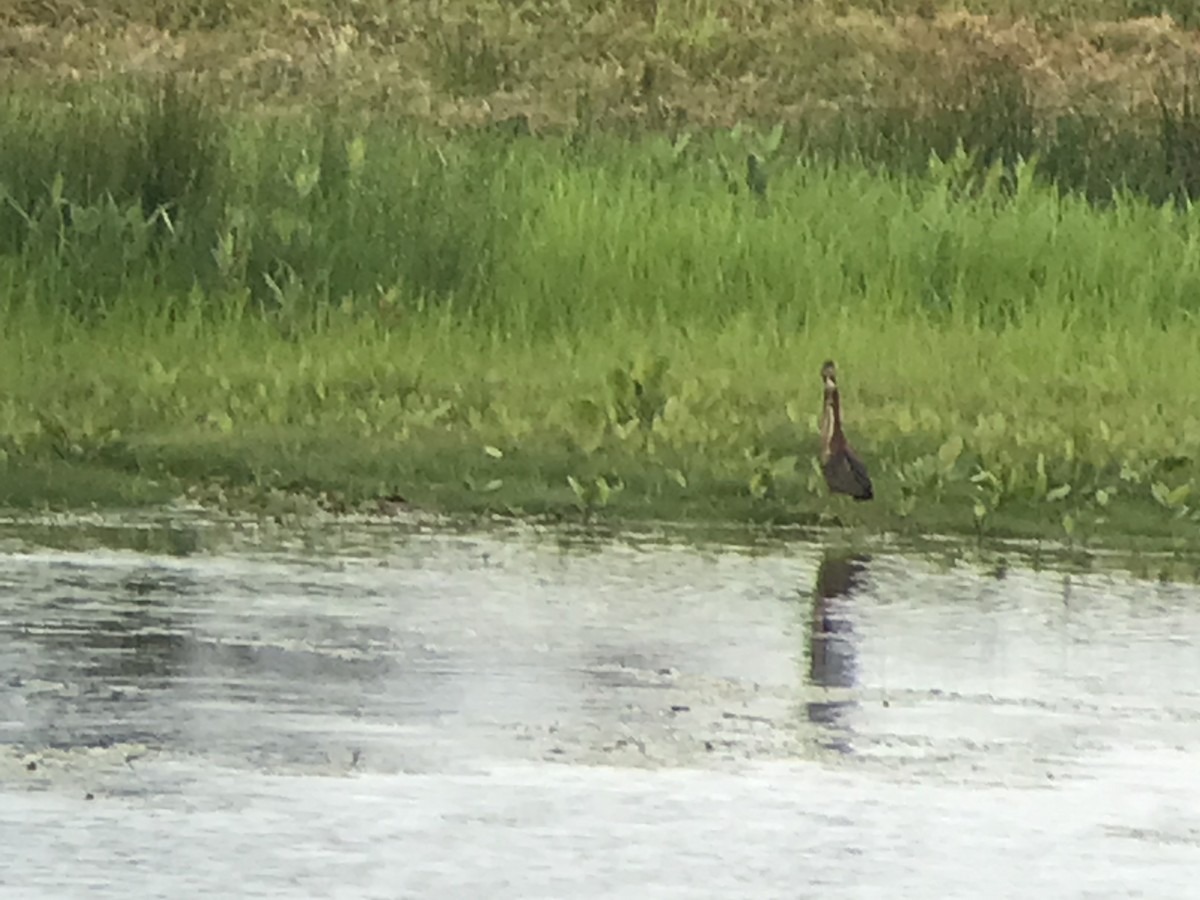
<point x="192" y="708"/>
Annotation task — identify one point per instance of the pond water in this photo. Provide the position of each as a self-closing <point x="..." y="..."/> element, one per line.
<point x="202" y="708"/>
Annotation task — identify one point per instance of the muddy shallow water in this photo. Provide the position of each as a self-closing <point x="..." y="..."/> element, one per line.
<point x="387" y="710"/>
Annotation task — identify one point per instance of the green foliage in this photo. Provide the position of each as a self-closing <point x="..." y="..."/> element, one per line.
<point x="355" y="307"/>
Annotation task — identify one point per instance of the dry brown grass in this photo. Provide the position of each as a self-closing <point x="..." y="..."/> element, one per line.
<point x="647" y="61"/>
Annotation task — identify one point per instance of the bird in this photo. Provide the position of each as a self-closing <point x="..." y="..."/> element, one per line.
<point x="844" y="471"/>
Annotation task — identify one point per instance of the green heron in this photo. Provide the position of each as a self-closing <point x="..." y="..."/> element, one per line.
<point x="844" y="471"/>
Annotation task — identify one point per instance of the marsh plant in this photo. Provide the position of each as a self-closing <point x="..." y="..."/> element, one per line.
<point x="341" y="303"/>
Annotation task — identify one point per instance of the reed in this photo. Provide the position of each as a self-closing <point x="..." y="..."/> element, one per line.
<point x="347" y="307"/>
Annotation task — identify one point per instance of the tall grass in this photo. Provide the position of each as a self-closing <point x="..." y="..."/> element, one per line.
<point x="343" y="303"/>
<point x="541" y="235"/>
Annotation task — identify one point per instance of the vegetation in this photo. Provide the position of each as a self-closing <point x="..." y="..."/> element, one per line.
<point x="1102" y="92"/>
<point x="618" y="313"/>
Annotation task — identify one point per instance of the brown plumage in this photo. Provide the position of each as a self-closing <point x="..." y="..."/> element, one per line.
<point x="844" y="471"/>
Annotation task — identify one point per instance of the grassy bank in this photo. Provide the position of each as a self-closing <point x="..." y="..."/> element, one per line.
<point x="1103" y="92"/>
<point x="346" y="307"/>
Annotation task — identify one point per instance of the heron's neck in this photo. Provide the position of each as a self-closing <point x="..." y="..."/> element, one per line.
<point x="831" y="417"/>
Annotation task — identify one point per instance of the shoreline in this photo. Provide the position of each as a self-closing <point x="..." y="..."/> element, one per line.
<point x="558" y="325"/>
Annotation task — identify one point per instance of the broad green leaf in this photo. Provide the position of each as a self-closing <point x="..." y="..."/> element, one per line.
<point x="772" y="140"/>
<point x="1014" y="478"/>
<point x="983" y="476"/>
<point x="1160" y="492"/>
<point x="949" y="452"/>
<point x="759" y="484"/>
<point x="1059" y="493"/>
<point x="1179" y="495"/>
<point x="576" y="486"/>
<point x="356" y="154"/>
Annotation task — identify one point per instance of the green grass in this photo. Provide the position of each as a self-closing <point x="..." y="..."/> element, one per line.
<point x="1101" y="91"/>
<point x="338" y="307"/>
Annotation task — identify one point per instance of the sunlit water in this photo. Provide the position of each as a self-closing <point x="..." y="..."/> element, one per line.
<point x="392" y="711"/>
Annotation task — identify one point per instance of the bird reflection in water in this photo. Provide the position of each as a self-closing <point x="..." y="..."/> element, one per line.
<point x="831" y="646"/>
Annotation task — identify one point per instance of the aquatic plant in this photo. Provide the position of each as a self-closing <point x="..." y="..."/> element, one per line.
<point x="354" y="306"/>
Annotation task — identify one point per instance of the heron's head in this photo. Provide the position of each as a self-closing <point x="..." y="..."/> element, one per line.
<point x="829" y="374"/>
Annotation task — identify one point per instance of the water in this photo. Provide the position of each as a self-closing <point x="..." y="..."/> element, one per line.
<point x="192" y="708"/>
